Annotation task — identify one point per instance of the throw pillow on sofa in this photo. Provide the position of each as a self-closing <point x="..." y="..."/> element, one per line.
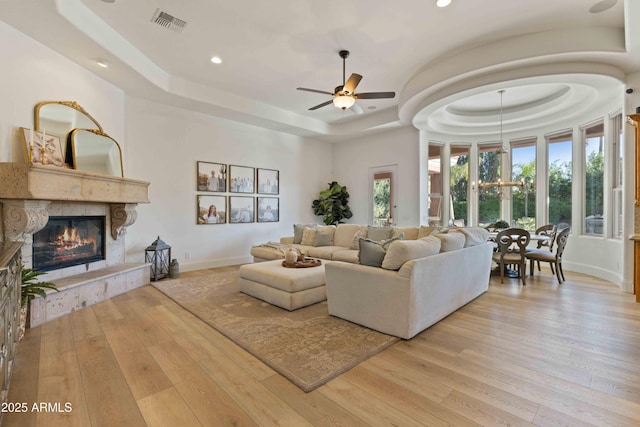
<point x="360" y="234"/>
<point x="324" y="235"/>
<point x="410" y="233"/>
<point x="372" y="252"/>
<point x="473" y="235"/>
<point x="298" y="229"/>
<point x="379" y="233"/>
<point x="451" y="241"/>
<point x="308" y="236"/>
<point x="402" y="251"/>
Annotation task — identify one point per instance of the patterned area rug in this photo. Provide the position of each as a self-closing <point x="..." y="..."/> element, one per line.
<point x="306" y="346"/>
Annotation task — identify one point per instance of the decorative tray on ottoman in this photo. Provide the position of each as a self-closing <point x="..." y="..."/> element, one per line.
<point x="306" y="262"/>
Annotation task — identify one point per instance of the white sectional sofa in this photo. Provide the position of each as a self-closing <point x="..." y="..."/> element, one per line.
<point x="400" y="287"/>
<point x="405" y="302"/>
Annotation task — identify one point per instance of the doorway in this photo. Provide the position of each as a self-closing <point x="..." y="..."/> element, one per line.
<point x="383" y="204"/>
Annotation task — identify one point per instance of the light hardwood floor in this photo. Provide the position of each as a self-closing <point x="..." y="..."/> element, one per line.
<point x="540" y="355"/>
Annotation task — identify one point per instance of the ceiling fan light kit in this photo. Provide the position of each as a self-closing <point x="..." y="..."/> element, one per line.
<point x="344" y="101"/>
<point x="344" y="96"/>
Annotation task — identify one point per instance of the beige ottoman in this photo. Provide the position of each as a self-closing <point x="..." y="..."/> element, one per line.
<point x="289" y="288"/>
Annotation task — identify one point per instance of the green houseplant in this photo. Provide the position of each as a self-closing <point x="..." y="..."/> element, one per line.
<point x="31" y="288"/>
<point x="333" y="204"/>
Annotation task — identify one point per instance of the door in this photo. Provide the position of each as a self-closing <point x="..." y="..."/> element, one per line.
<point x="383" y="196"/>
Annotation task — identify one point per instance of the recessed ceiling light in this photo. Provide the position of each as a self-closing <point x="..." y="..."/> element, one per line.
<point x="103" y="63"/>
<point x="371" y="107"/>
<point x="602" y="5"/>
<point x="443" y="3"/>
<point x="109" y="1"/>
<point x="216" y="59"/>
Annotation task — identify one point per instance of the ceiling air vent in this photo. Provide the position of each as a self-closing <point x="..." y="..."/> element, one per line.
<point x="168" y="21"/>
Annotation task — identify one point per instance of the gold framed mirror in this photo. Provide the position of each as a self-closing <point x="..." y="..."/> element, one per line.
<point x="93" y="150"/>
<point x="59" y="118"/>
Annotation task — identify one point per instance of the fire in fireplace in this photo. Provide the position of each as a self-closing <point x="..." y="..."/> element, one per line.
<point x="69" y="240"/>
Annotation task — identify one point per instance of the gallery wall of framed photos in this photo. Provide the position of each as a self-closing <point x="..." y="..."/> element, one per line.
<point x="235" y="194"/>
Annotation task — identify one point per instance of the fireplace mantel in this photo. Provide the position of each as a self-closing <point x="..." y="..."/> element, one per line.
<point x="23" y="181"/>
<point x="29" y="194"/>
<point x="27" y="190"/>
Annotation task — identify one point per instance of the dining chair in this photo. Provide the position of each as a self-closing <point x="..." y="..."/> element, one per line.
<point x="549" y="230"/>
<point x="553" y="258"/>
<point x="512" y="245"/>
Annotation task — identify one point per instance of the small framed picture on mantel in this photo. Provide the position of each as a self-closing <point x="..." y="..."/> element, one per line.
<point x="40" y="148"/>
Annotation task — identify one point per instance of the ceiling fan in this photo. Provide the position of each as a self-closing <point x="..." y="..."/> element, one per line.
<point x="344" y="96"/>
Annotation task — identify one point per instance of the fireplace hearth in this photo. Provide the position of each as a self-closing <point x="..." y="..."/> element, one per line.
<point x="69" y="240"/>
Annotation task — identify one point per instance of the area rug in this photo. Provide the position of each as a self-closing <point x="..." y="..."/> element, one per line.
<point x="307" y="346"/>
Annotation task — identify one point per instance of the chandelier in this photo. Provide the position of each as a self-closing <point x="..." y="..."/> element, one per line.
<point x="499" y="184"/>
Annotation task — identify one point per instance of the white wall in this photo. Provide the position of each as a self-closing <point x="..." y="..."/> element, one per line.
<point x="352" y="161"/>
<point x="161" y="145"/>
<point x="164" y="144"/>
<point x="32" y="73"/>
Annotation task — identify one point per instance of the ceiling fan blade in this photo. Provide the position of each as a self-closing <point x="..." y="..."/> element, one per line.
<point x="315" y="90"/>
<point x="321" y="105"/>
<point x="375" y="95"/>
<point x="350" y="85"/>
<point x="356" y="109"/>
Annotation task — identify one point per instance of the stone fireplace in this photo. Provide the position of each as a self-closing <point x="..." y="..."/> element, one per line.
<point x="32" y="196"/>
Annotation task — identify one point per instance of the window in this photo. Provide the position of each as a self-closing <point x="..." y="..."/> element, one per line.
<point x="489" y="171"/>
<point x="434" y="183"/>
<point x="618" y="151"/>
<point x="382" y="197"/>
<point x="559" y="178"/>
<point x="459" y="185"/>
<point x="523" y="169"/>
<point x="594" y="179"/>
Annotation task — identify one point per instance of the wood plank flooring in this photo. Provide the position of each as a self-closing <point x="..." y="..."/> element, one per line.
<point x="540" y="355"/>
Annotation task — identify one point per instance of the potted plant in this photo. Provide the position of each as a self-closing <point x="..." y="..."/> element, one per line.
<point x="31" y="288"/>
<point x="333" y="204"/>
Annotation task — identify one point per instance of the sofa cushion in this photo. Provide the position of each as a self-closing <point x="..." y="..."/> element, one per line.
<point x="473" y="235"/>
<point x="425" y="231"/>
<point x="451" y="241"/>
<point x="402" y="251"/>
<point x="378" y="233"/>
<point x="410" y="233"/>
<point x="372" y="252"/>
<point x="324" y="252"/>
<point x="324" y="235"/>
<point x="308" y="236"/>
<point x="344" y="234"/>
<point x="346" y="255"/>
<point x="298" y="229"/>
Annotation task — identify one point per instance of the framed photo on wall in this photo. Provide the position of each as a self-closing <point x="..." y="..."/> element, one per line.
<point x="241" y="209"/>
<point x="241" y="179"/>
<point x="268" y="209"/>
<point x="41" y="148"/>
<point x="212" y="210"/>
<point x="211" y="177"/>
<point x="268" y="181"/>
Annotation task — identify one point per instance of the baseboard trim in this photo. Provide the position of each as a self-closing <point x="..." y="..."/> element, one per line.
<point x="221" y="262"/>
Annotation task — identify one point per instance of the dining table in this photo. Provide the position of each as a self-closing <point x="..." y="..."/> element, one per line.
<point x="508" y="272"/>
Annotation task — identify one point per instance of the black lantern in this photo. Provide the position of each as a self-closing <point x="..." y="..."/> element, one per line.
<point x="158" y="254"/>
